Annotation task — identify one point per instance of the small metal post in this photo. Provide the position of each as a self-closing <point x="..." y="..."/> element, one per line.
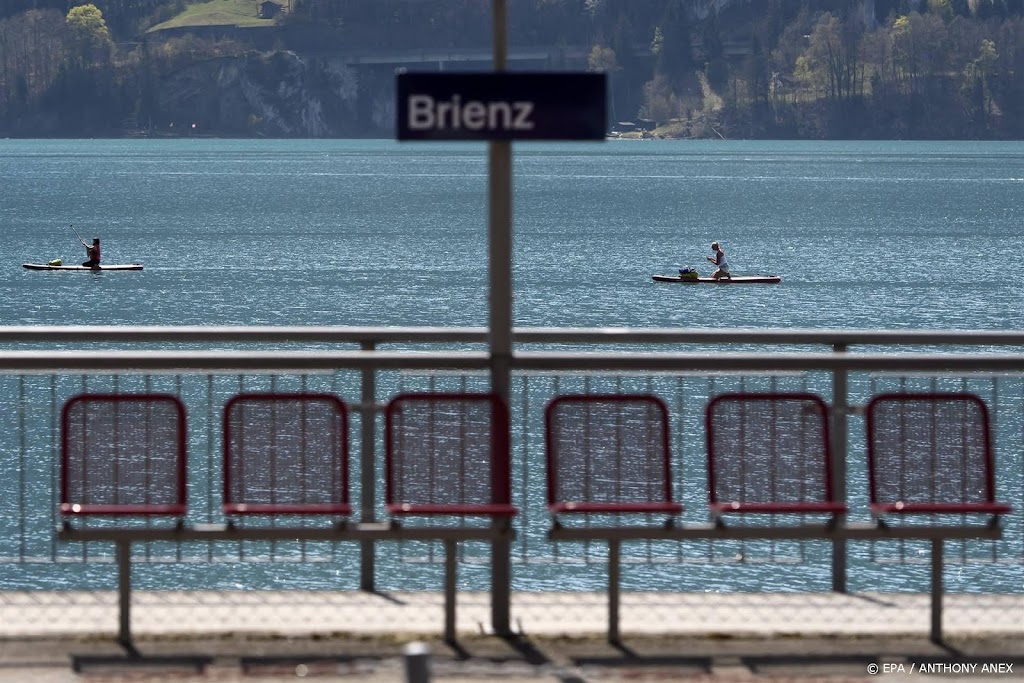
<point x="840" y="425"/>
<point x="124" y="595"/>
<point x="613" y="589"/>
<point x="367" y="470"/>
<point x="417" y="662"/>
<point x="450" y="558"/>
<point x="937" y="589"/>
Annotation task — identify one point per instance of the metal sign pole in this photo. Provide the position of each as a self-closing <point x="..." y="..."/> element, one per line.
<point x="499" y="178"/>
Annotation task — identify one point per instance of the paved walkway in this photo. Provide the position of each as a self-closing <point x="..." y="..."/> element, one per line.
<point x="351" y="636"/>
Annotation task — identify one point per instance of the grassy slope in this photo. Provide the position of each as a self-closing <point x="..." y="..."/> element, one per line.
<point x="217" y="13"/>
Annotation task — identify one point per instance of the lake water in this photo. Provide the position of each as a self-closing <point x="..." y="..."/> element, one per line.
<point x="231" y="232"/>
<point x="865" y="234"/>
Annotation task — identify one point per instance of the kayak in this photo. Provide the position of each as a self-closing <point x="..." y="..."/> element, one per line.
<point x="734" y="280"/>
<point x="44" y="266"/>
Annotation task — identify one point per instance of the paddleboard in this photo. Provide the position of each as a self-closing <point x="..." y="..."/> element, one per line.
<point x="43" y="266"/>
<point x="734" y="280"/>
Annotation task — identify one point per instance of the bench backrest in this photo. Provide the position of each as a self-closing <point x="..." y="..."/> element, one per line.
<point x="286" y="453"/>
<point x="608" y="453"/>
<point x="769" y="453"/>
<point x="930" y="452"/>
<point x="123" y="454"/>
<point x="447" y="454"/>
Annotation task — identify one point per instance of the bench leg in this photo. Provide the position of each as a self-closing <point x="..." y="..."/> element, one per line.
<point x="937" y="589"/>
<point x="613" y="590"/>
<point x="450" y="547"/>
<point x="124" y="596"/>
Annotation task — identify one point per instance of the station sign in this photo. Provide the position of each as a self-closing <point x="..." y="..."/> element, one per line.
<point x="501" y="106"/>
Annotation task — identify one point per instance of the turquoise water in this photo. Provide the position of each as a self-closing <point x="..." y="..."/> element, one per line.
<point x="864" y="234"/>
<point x="886" y="234"/>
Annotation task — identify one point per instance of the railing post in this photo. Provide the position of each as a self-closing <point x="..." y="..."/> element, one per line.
<point x="614" y="579"/>
<point x="124" y="595"/>
<point x="450" y="588"/>
<point x="367" y="470"/>
<point x="937" y="589"/>
<point x="499" y="200"/>
<point x="840" y="425"/>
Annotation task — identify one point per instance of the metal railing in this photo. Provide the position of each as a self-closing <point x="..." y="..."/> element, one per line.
<point x="205" y="365"/>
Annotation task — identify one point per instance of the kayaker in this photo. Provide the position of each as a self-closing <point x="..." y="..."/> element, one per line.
<point x="93" y="252"/>
<point x="719" y="260"/>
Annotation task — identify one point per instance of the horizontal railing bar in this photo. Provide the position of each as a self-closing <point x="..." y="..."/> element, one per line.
<point x="540" y="360"/>
<point x="384" y="532"/>
<point x="380" y="531"/>
<point x="522" y="335"/>
<point x="200" y="334"/>
<point x="668" y="373"/>
<point x="235" y="361"/>
<point x="850" y="532"/>
<point x="327" y="361"/>
<point x="832" y="337"/>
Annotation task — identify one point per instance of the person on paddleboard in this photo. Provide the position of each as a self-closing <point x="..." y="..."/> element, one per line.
<point x="93" y="253"/>
<point x="719" y="260"/>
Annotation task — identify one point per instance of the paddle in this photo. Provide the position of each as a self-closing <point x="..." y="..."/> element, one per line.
<point x="76" y="233"/>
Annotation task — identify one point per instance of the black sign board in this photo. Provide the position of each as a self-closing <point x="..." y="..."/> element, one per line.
<point x="501" y="106"/>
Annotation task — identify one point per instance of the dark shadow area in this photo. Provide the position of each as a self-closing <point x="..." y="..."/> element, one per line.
<point x="387" y="596"/>
<point x="623" y="648"/>
<point x="524" y="652"/>
<point x="461" y="653"/>
<point x="168" y="663"/>
<point x="871" y="599"/>
<point x="526" y="649"/>
<point x="948" y="647"/>
<point x="691" y="665"/>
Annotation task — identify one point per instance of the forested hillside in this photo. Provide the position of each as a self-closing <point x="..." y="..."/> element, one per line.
<point x="702" y="68"/>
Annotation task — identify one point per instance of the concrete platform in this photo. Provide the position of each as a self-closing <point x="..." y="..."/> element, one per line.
<point x="351" y="636"/>
<point x="302" y="613"/>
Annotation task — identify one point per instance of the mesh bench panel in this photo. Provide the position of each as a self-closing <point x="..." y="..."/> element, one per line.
<point x="608" y="451"/>
<point x="123" y="454"/>
<point x="447" y="453"/>
<point x="285" y="453"/>
<point x="929" y="449"/>
<point x="769" y="450"/>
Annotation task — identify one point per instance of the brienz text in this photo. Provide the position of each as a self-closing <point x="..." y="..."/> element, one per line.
<point x="426" y="113"/>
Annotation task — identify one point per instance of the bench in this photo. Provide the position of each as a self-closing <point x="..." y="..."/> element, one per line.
<point x="929" y="457"/>
<point x="285" y="455"/>
<point x="768" y="457"/>
<point x="769" y="454"/>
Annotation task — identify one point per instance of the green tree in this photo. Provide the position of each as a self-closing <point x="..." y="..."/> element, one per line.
<point x="831" y="62"/>
<point x="89" y="34"/>
<point x="980" y="73"/>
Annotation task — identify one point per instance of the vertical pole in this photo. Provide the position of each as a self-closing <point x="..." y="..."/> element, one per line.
<point x="499" y="178"/>
<point x="937" y="589"/>
<point x="124" y="595"/>
<point x="840" y="409"/>
<point x="417" y="662"/>
<point x="367" y="470"/>
<point x="614" y="569"/>
<point x="450" y="558"/>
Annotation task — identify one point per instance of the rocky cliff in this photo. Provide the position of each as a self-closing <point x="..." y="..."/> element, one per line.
<point x="280" y="94"/>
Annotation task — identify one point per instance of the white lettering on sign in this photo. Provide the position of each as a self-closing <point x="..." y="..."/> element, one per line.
<point x="426" y="113"/>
